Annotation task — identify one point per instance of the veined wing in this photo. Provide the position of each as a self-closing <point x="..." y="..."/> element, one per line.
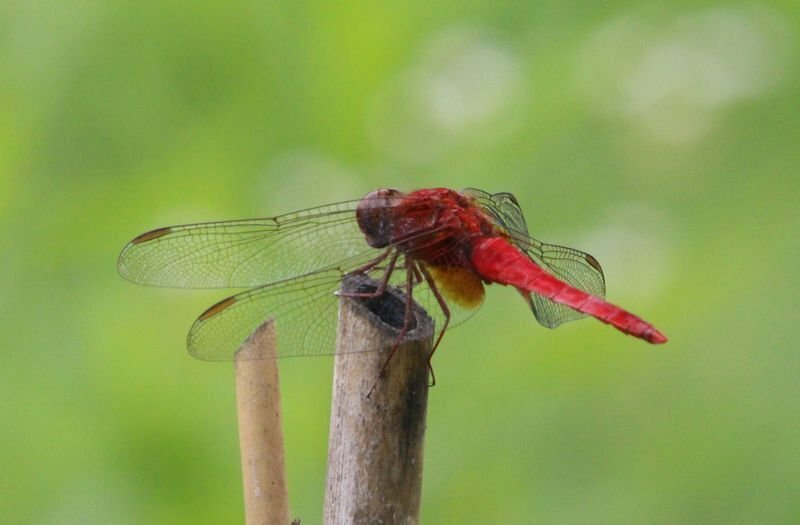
<point x="304" y="310"/>
<point x="295" y="261"/>
<point x="503" y="208"/>
<point x="574" y="267"/>
<point x="245" y="253"/>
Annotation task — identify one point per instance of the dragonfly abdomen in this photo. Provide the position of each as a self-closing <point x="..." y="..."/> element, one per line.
<point x="496" y="260"/>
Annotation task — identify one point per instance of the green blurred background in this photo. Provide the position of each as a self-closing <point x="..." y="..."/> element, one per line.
<point x="664" y="141"/>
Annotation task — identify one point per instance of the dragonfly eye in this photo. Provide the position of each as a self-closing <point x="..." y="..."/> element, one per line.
<point x="375" y="215"/>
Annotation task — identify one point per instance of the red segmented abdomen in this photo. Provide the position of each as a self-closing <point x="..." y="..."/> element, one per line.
<point x="498" y="261"/>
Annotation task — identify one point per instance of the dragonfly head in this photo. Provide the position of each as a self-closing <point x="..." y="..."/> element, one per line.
<point x="375" y="215"/>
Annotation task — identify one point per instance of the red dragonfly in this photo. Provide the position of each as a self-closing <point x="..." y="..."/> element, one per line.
<point x="438" y="245"/>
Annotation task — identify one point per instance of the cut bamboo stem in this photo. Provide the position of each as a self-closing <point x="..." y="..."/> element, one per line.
<point x="375" y="448"/>
<point x="266" y="499"/>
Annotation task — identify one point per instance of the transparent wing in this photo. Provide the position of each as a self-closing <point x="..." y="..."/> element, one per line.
<point x="245" y="253"/>
<point x="575" y="267"/>
<point x="503" y="208"/>
<point x="295" y="261"/>
<point x="304" y="310"/>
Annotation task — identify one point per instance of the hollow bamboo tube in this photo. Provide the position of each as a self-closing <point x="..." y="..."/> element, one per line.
<point x="375" y="449"/>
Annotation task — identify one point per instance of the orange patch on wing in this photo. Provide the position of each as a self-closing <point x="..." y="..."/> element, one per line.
<point x="149" y="236"/>
<point x="217" y="308"/>
<point x="460" y="285"/>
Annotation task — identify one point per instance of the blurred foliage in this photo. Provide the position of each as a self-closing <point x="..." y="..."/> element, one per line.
<point x="661" y="140"/>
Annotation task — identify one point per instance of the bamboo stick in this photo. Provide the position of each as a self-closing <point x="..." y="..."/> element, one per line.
<point x="375" y="446"/>
<point x="260" y="432"/>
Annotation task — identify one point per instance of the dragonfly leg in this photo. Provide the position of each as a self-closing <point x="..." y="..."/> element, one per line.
<point x="445" y="310"/>
<point x="384" y="280"/>
<point x="406" y="320"/>
<point x="417" y="276"/>
<point x="373" y="263"/>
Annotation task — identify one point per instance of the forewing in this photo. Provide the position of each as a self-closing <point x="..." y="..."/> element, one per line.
<point x="574" y="267"/>
<point x="245" y="253"/>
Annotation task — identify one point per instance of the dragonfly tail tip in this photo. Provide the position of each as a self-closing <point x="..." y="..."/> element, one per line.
<point x="655" y="337"/>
